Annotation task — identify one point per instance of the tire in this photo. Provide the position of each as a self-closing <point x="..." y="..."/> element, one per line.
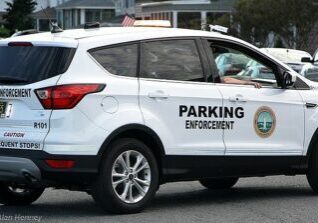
<point x="219" y="184"/>
<point x="10" y="194"/>
<point x="136" y="185"/>
<point x="312" y="174"/>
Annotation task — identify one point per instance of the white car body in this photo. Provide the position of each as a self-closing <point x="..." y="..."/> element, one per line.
<point x="140" y="104"/>
<point x="66" y="137"/>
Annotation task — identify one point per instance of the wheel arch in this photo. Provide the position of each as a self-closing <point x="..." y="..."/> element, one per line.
<point x="311" y="147"/>
<point x="139" y="132"/>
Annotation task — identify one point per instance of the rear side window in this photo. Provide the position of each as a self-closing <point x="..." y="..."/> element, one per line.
<point x="118" y="60"/>
<point x="29" y="64"/>
<point x="172" y="60"/>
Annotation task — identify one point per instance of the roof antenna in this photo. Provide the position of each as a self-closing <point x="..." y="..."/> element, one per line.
<point x="55" y="27"/>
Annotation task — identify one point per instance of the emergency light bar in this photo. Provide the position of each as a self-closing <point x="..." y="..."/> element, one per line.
<point x="217" y="28"/>
<point x="152" y="23"/>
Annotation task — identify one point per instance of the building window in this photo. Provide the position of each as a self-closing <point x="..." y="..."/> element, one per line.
<point x="97" y="15"/>
<point x="92" y="15"/>
<point x="67" y="17"/>
<point x="78" y="16"/>
<point x="107" y="14"/>
<point x="189" y="20"/>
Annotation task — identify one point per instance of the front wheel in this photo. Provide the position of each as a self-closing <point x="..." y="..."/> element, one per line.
<point x="128" y="178"/>
<point x="12" y="194"/>
<point x="219" y="183"/>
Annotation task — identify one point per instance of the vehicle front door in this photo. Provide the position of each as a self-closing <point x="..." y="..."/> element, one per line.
<point x="268" y="121"/>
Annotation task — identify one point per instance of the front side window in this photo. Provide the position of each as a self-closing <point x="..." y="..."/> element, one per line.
<point x="118" y="60"/>
<point x="232" y="63"/>
<point x="172" y="60"/>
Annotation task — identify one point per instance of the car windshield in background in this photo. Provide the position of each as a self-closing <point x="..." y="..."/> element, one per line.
<point x="287" y="55"/>
<point x="29" y="64"/>
<point x="311" y="73"/>
<point x="296" y="67"/>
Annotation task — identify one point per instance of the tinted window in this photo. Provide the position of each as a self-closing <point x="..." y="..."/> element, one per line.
<point x="33" y="63"/>
<point x="172" y="60"/>
<point x="119" y="60"/>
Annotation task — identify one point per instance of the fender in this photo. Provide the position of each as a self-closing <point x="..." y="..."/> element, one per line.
<point x="128" y="127"/>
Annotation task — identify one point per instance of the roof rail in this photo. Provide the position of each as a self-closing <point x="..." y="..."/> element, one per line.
<point x="25" y="32"/>
<point x="92" y="25"/>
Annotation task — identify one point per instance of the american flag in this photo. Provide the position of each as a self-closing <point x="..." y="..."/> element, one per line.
<point x="128" y="21"/>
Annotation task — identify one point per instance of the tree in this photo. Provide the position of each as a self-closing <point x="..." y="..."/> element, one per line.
<point x="4" y="33"/>
<point x="18" y="15"/>
<point x="291" y="20"/>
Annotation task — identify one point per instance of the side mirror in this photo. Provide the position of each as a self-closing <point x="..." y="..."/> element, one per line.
<point x="289" y="79"/>
<point x="306" y="60"/>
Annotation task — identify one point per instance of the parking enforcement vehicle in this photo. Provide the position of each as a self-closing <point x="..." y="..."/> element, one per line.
<point x="116" y="112"/>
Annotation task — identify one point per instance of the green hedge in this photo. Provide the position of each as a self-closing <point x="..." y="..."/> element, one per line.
<point x="4" y="32"/>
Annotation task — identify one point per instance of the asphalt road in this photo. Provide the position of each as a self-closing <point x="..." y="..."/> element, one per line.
<point x="270" y="199"/>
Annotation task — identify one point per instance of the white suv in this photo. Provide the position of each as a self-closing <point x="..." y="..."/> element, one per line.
<point x="116" y="112"/>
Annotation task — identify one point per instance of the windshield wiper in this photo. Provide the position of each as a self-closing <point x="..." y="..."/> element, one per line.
<point x="8" y="79"/>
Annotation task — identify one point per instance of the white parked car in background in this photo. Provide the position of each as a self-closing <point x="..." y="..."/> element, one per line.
<point x="300" y="61"/>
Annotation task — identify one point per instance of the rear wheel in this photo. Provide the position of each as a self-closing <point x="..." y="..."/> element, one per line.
<point x="128" y="178"/>
<point x="218" y="184"/>
<point x="13" y="194"/>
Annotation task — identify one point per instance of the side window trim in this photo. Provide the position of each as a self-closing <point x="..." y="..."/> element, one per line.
<point x="249" y="52"/>
<point x="199" y="48"/>
<point x="213" y="71"/>
<point x="203" y="58"/>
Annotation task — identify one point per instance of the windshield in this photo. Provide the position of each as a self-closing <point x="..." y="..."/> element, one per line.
<point x="29" y="64"/>
<point x="311" y="73"/>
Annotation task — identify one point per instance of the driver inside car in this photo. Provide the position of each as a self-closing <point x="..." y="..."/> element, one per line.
<point x="217" y="51"/>
<point x="231" y="80"/>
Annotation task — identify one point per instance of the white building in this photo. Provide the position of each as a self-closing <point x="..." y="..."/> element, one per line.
<point x="184" y="13"/>
<point x="41" y="3"/>
<point x="75" y="13"/>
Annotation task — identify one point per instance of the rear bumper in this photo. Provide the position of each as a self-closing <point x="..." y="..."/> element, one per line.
<point x="29" y="167"/>
<point x="18" y="170"/>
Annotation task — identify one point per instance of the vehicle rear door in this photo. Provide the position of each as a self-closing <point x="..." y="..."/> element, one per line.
<point x="176" y="101"/>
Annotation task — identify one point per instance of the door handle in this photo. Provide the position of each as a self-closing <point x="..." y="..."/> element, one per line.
<point x="158" y="95"/>
<point x="238" y="98"/>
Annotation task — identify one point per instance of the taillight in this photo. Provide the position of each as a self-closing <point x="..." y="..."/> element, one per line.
<point x="20" y="44"/>
<point x="60" y="164"/>
<point x="65" y="96"/>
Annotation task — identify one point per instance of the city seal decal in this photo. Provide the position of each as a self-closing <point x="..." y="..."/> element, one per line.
<point x="264" y="122"/>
